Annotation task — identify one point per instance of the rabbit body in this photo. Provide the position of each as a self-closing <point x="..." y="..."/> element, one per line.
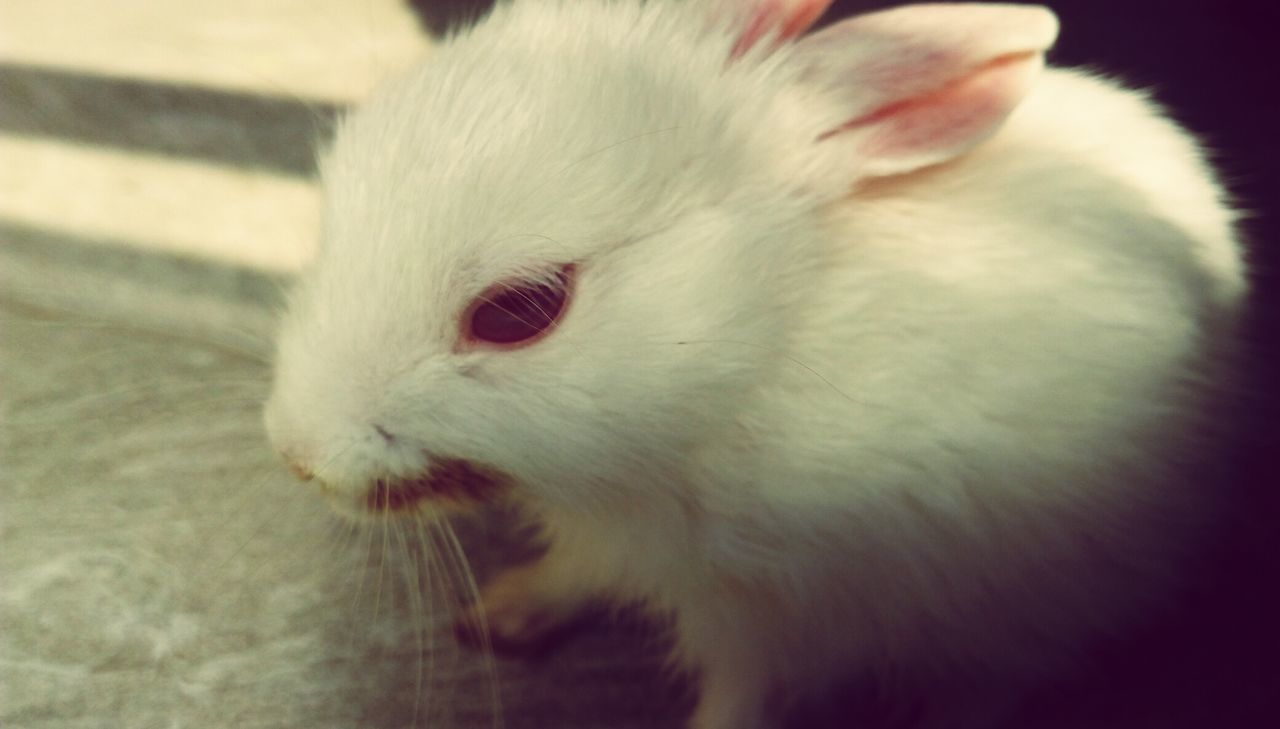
<point x="825" y="415"/>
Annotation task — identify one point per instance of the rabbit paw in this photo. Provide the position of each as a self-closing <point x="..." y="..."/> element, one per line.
<point x="518" y="615"/>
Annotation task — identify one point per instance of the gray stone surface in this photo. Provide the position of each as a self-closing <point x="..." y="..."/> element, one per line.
<point x="160" y="569"/>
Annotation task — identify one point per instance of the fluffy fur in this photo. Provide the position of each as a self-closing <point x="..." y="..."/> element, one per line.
<point x="826" y="414"/>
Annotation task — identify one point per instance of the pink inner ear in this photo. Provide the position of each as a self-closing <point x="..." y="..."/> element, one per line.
<point x="936" y="126"/>
<point x="789" y="18"/>
<point x="920" y="84"/>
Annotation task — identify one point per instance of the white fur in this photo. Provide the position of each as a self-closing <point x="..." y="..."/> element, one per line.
<point x="937" y="423"/>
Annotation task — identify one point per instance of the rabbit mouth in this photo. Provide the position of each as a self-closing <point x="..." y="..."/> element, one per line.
<point x="452" y="481"/>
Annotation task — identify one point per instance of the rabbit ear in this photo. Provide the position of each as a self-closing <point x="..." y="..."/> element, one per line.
<point x="921" y="84"/>
<point x="756" y="19"/>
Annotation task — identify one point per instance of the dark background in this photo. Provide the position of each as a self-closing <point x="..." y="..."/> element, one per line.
<point x="1212" y="659"/>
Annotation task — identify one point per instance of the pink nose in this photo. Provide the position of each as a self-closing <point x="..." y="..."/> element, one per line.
<point x="295" y="465"/>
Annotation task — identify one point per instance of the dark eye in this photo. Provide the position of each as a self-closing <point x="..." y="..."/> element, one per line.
<point x="518" y="313"/>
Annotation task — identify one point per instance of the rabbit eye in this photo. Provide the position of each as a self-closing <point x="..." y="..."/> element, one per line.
<point x="515" y="314"/>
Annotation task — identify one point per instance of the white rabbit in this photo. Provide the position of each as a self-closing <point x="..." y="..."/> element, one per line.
<point x="880" y="349"/>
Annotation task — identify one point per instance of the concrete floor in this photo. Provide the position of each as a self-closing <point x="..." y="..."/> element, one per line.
<point x="161" y="570"/>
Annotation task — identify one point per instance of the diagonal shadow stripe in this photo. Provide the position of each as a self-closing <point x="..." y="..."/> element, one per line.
<point x="120" y="261"/>
<point x="248" y="130"/>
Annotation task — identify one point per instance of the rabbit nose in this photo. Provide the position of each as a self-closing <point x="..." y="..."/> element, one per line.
<point x="296" y="466"/>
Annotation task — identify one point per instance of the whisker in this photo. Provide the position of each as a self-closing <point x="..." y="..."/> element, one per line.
<point x="414" y="586"/>
<point x="138" y="441"/>
<point x="252" y="493"/>
<point x="246" y="346"/>
<point x="253" y="535"/>
<point x="364" y="565"/>
<point x="257" y="350"/>
<point x="428" y="560"/>
<point x="457" y="553"/>
<point x="112" y="407"/>
<point x="382" y="561"/>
